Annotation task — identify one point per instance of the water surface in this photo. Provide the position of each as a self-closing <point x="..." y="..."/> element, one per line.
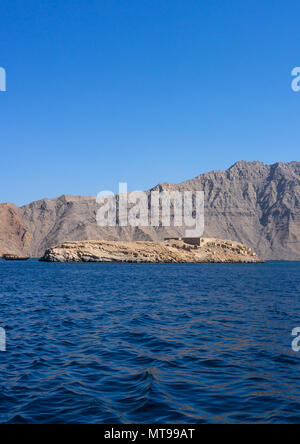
<point x="129" y="343"/>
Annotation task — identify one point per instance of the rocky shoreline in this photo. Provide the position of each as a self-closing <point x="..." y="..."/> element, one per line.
<point x="211" y="250"/>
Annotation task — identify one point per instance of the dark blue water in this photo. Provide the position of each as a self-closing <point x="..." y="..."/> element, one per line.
<point x="113" y="343"/>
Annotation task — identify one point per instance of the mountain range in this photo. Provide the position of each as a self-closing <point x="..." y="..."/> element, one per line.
<point x="251" y="202"/>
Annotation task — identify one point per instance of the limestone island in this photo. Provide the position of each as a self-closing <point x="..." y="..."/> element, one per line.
<point x="179" y="250"/>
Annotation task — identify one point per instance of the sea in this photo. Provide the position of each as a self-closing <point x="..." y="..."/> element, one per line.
<point x="152" y="344"/>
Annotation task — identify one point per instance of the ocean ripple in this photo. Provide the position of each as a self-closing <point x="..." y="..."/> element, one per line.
<point x="130" y="343"/>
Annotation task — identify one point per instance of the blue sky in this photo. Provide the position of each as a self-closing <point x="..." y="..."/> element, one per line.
<point x="142" y="91"/>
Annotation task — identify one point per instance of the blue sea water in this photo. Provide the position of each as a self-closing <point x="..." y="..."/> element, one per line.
<point x="128" y="343"/>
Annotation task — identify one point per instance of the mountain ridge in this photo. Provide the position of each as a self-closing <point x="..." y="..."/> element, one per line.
<point x="250" y="202"/>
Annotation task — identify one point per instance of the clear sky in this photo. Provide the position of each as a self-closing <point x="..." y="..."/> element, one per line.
<point x="142" y="91"/>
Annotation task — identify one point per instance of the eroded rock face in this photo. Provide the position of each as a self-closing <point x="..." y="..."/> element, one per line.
<point x="15" y="238"/>
<point x="252" y="203"/>
<point x="175" y="251"/>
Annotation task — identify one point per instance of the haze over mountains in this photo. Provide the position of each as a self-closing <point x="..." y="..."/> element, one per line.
<point x="253" y="203"/>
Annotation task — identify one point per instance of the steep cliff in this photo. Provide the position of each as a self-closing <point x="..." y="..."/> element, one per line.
<point x="251" y="202"/>
<point x="15" y="237"/>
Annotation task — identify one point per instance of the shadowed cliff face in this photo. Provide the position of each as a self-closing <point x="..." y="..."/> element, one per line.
<point x="15" y="238"/>
<point x="253" y="203"/>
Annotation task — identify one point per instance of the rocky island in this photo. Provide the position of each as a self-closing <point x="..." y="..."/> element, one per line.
<point x="209" y="250"/>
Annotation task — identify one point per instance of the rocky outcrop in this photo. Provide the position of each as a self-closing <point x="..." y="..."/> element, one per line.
<point x="251" y="203"/>
<point x="15" y="237"/>
<point x="174" y="251"/>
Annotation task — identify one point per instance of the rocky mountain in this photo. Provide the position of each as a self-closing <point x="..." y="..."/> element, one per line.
<point x="14" y="235"/>
<point x="252" y="203"/>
